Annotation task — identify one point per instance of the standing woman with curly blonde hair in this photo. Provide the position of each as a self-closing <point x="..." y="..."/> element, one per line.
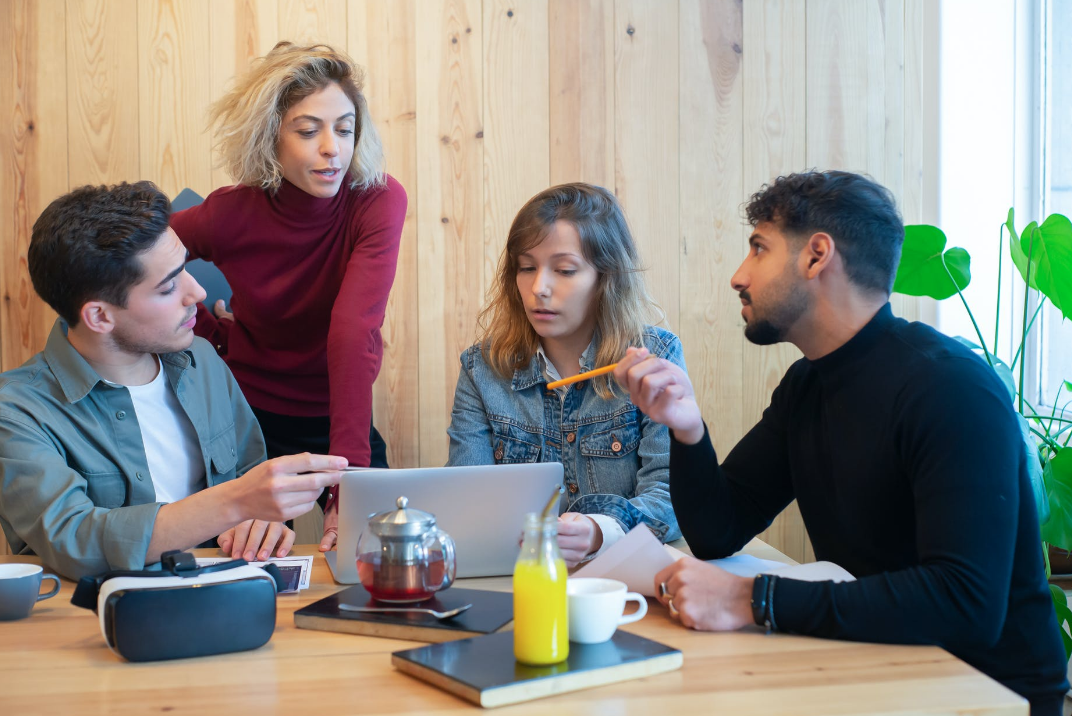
<point x="308" y="239"/>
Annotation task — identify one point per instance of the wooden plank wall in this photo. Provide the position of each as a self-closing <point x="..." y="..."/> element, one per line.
<point x="683" y="107"/>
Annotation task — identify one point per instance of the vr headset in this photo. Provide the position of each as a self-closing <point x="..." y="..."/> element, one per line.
<point x="183" y="610"/>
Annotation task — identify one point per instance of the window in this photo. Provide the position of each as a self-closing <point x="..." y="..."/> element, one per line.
<point x="1005" y="139"/>
<point x="1055" y="116"/>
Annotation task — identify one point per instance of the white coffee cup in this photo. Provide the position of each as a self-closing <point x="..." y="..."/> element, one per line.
<point x="596" y="606"/>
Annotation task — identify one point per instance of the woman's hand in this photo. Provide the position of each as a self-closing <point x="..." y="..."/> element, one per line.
<point x="578" y="537"/>
<point x="221" y="311"/>
<point x="331" y="527"/>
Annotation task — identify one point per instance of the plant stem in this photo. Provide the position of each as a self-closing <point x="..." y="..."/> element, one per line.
<point x="1054" y="411"/>
<point x="997" y="310"/>
<point x="1023" y="336"/>
<point x="1049" y="442"/>
<point x="1046" y="417"/>
<point x="1030" y="325"/>
<point x="979" y="333"/>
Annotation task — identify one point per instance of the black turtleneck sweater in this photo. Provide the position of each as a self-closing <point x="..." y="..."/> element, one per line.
<point x="906" y="458"/>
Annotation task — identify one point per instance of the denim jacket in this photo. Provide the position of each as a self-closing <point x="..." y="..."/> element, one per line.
<point x="616" y="460"/>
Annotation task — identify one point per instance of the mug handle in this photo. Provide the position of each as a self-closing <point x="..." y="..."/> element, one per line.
<point x="55" y="588"/>
<point x="639" y="614"/>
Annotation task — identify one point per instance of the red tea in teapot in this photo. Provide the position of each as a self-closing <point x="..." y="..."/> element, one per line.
<point x="400" y="583"/>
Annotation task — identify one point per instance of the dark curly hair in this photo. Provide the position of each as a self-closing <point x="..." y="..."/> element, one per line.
<point x="85" y="245"/>
<point x="858" y="213"/>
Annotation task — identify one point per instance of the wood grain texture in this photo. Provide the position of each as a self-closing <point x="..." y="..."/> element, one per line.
<point x="313" y="22"/>
<point x="845" y="81"/>
<point x="450" y="210"/>
<point x="173" y="81"/>
<point x="856" y="95"/>
<point x="239" y="31"/>
<point x="774" y="144"/>
<point x="33" y="166"/>
<point x="581" y="98"/>
<point x="920" y="126"/>
<point x="741" y="673"/>
<point x="646" y="145"/>
<point x="478" y="111"/>
<point x="383" y="38"/>
<point x="102" y="91"/>
<point x="516" y="121"/>
<point x="712" y="235"/>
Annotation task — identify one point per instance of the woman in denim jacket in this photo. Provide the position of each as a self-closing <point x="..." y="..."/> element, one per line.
<point x="569" y="297"/>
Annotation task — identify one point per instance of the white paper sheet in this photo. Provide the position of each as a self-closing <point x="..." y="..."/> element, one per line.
<point x="638" y="556"/>
<point x="745" y="565"/>
<point x="634" y="559"/>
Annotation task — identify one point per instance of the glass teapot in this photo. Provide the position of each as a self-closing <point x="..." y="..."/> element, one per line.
<point x="402" y="557"/>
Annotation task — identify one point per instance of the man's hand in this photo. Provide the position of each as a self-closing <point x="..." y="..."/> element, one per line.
<point x="242" y="540"/>
<point x="704" y="597"/>
<point x="221" y="311"/>
<point x="663" y="392"/>
<point x="331" y="527"/>
<point x="578" y="537"/>
<point x="286" y="487"/>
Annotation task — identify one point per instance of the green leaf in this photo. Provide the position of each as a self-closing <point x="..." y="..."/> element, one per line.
<point x="1064" y="617"/>
<point x="1051" y="260"/>
<point x="1057" y="476"/>
<point x="924" y="264"/>
<point x="1037" y="476"/>
<point x="1019" y="249"/>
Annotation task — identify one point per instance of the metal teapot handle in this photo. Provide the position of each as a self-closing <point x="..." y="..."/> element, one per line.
<point x="446" y="545"/>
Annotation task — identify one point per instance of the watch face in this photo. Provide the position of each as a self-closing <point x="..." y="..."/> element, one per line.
<point x="759" y="598"/>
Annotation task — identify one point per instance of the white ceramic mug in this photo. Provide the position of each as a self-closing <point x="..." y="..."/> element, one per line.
<point x="596" y="606"/>
<point x="20" y="587"/>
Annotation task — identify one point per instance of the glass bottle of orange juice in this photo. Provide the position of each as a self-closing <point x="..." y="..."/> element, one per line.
<point x="541" y="625"/>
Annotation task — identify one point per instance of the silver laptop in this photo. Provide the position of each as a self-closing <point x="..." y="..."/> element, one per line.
<point x="481" y="507"/>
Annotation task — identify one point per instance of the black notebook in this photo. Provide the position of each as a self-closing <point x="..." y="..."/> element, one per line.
<point x="490" y="612"/>
<point x="483" y="669"/>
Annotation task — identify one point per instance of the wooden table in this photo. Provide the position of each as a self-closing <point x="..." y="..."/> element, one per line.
<point x="56" y="662"/>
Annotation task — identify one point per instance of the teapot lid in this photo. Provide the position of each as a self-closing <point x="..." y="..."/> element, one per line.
<point x="403" y="522"/>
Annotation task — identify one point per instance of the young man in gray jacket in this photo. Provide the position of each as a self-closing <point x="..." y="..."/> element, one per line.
<point x="127" y="436"/>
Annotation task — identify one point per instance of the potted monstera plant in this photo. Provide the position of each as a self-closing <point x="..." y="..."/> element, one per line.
<point x="1042" y="254"/>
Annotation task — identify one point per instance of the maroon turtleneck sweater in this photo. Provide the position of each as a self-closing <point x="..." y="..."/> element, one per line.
<point x="310" y="278"/>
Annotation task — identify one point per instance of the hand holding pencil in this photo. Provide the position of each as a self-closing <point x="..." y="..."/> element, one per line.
<point x="662" y="391"/>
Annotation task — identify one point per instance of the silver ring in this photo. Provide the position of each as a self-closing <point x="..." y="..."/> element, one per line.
<point x="662" y="590"/>
<point x="673" y="610"/>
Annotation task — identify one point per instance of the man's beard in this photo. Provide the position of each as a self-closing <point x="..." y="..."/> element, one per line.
<point x="770" y="324"/>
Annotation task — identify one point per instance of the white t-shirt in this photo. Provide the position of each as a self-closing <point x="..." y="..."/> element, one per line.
<point x="171" y="446"/>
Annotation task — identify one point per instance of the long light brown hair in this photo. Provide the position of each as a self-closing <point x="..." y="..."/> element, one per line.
<point x="508" y="340"/>
<point x="248" y="118"/>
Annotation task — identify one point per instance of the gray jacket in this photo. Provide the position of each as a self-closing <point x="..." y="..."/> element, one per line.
<point x="75" y="486"/>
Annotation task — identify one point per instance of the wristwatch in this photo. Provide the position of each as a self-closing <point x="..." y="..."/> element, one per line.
<point x="763" y="601"/>
<point x="759" y="598"/>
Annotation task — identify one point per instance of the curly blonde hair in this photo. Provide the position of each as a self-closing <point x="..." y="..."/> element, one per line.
<point x="624" y="307"/>
<point x="248" y="118"/>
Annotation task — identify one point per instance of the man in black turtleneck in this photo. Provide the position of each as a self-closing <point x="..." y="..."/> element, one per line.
<point x="900" y="446"/>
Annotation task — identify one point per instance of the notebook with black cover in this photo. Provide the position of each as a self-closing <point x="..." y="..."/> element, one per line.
<point x="490" y="612"/>
<point x="483" y="669"/>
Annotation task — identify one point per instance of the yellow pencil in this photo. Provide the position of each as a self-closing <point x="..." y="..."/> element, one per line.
<point x="582" y="376"/>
